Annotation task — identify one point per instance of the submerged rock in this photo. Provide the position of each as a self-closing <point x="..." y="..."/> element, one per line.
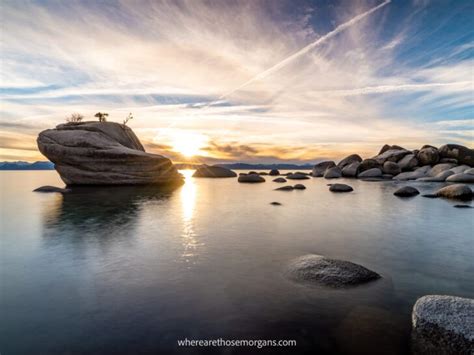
<point x="275" y="203"/>
<point x="103" y="153"/>
<point x="298" y="176"/>
<point x="285" y="188"/>
<point x="320" y="168"/>
<point x="319" y="270"/>
<point x="280" y="179"/>
<point x="250" y="178"/>
<point x="213" y="172"/>
<point x="333" y="173"/>
<point x="406" y="191"/>
<point x="457" y="191"/>
<point x="443" y="325"/>
<point x="340" y="188"/>
<point x="462" y="206"/>
<point x="299" y="187"/>
<point x="48" y="188"/>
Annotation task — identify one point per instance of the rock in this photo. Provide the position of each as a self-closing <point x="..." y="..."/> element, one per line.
<point x="413" y="175"/>
<point x="459" y="169"/>
<point x="340" y="188"/>
<point x="250" y="178"/>
<point x="449" y="161"/>
<point x="392" y="168"/>
<point x="438" y="178"/>
<point x="390" y="147"/>
<point x="439" y="168"/>
<point x="320" y="168"/>
<point x="280" y="179"/>
<point x="375" y="172"/>
<point x="469" y="171"/>
<point x="354" y="158"/>
<point x="408" y="162"/>
<point x="406" y="191"/>
<point x="391" y="155"/>
<point x="443" y="325"/>
<point x="264" y="173"/>
<point x="274" y="203"/>
<point x="274" y="172"/>
<point x="333" y="173"/>
<point x="430" y="196"/>
<point x="457" y="191"/>
<point x="462" y="154"/>
<point x="428" y="156"/>
<point x="213" y="172"/>
<point x="285" y="188"/>
<point x="48" y="188"/>
<point x="319" y="270"/>
<point x="461" y="177"/>
<point x="387" y="176"/>
<point x="368" y="164"/>
<point x="104" y="153"/>
<point x="350" y="170"/>
<point x="252" y="173"/>
<point x="462" y="206"/>
<point x="298" y="176"/>
<point x="299" y="187"/>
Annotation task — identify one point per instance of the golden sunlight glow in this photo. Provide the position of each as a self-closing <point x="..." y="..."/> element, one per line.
<point x="188" y="144"/>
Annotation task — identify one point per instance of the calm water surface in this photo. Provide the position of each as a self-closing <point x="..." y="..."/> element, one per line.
<point x="131" y="270"/>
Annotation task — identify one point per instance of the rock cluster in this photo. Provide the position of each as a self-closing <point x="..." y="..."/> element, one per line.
<point x="103" y="153"/>
<point x="451" y="163"/>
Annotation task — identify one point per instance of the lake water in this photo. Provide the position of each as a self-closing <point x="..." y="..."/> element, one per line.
<point x="131" y="270"/>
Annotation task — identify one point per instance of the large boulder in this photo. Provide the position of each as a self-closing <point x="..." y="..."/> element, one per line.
<point x="371" y="173"/>
<point x="320" y="168"/>
<point x="392" y="168"/>
<point x="443" y="325"/>
<point x="391" y="155"/>
<point x="463" y="155"/>
<point x="353" y="158"/>
<point x="350" y="170"/>
<point x="413" y="175"/>
<point x="438" y="178"/>
<point x="103" y="153"/>
<point x="439" y="168"/>
<point x="333" y="173"/>
<point x="213" y="172"/>
<point x="368" y="164"/>
<point x="428" y="156"/>
<point x="457" y="191"/>
<point x="459" y="169"/>
<point x="319" y="270"/>
<point x="390" y="147"/>
<point x="250" y="178"/>
<point x="408" y="162"/>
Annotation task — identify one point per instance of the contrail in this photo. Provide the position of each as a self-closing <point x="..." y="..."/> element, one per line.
<point x="302" y="51"/>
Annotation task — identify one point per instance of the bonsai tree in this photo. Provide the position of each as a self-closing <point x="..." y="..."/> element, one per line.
<point x="128" y="118"/>
<point x="102" y="116"/>
<point x="75" y="117"/>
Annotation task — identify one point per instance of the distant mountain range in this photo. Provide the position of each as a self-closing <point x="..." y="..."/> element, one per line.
<point x="23" y="165"/>
<point x="46" y="165"/>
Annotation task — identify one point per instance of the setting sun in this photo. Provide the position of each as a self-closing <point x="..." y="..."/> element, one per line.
<point x="188" y="144"/>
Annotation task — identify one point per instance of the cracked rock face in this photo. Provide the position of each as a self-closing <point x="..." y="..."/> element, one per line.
<point x="103" y="153"/>
<point x="319" y="270"/>
<point x="443" y="325"/>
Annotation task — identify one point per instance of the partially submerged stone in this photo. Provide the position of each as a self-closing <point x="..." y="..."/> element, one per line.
<point x="406" y="191"/>
<point x="298" y="176"/>
<point x="340" y="188"/>
<point x="319" y="270"/>
<point x="213" y="172"/>
<point x="48" y="188"/>
<point x="285" y="188"/>
<point x="280" y="179"/>
<point x="250" y="178"/>
<point x="457" y="191"/>
<point x="443" y="325"/>
<point x="299" y="187"/>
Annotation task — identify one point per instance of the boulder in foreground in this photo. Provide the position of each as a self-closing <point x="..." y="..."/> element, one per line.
<point x="443" y="325"/>
<point x="213" y="172"/>
<point x="103" y="153"/>
<point x="319" y="270"/>
<point x="457" y="191"/>
<point x="406" y="191"/>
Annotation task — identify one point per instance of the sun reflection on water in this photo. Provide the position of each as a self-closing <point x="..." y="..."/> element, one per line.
<point x="188" y="205"/>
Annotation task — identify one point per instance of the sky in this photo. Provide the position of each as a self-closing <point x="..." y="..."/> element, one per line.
<point x="243" y="81"/>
